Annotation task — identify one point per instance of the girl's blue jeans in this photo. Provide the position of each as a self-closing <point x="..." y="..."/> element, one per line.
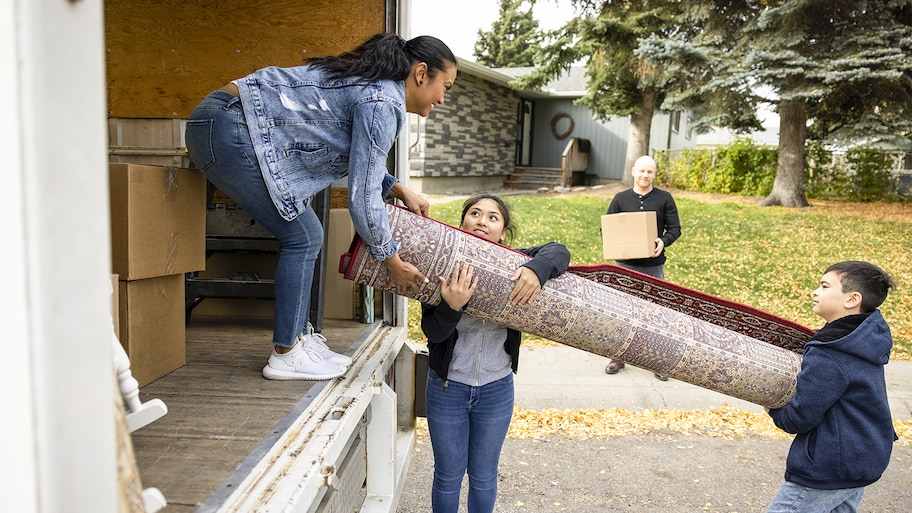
<point x="219" y="145"/>
<point x="467" y="426"/>
<point x="793" y="498"/>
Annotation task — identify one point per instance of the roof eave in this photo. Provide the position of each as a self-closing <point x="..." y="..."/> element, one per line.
<point x="502" y="79"/>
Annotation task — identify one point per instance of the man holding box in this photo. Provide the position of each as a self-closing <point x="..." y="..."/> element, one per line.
<point x="644" y="197"/>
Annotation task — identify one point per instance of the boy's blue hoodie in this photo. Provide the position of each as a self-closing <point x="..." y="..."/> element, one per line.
<point x="840" y="413"/>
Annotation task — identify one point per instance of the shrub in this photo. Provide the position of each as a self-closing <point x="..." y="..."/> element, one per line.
<point x="744" y="168"/>
<point x="686" y="171"/>
<point x="869" y="174"/>
<point x="741" y="167"/>
<point x="825" y="177"/>
<point x="861" y="174"/>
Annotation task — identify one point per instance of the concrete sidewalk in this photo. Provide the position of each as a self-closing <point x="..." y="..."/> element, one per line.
<point x="661" y="472"/>
<point x="563" y="377"/>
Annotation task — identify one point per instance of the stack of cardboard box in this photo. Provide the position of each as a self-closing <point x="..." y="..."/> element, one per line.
<point x="158" y="233"/>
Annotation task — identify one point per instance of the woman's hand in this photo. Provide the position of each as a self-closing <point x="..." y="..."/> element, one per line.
<point x="403" y="275"/>
<point x="414" y="202"/>
<point x="527" y="286"/>
<point x="460" y="287"/>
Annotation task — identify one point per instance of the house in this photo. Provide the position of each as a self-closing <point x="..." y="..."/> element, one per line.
<point x="486" y="129"/>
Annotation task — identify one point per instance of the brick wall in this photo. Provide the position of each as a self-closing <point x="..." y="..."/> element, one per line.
<point x="473" y="134"/>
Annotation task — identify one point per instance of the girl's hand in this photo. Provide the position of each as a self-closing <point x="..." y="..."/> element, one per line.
<point x="527" y="286"/>
<point x="404" y="276"/>
<point x="460" y="287"/>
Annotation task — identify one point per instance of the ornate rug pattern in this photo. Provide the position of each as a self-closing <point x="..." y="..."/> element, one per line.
<point x="738" y="317"/>
<point x="605" y="311"/>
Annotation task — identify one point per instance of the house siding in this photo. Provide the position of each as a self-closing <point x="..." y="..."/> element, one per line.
<point x="472" y="137"/>
<point x="608" y="139"/>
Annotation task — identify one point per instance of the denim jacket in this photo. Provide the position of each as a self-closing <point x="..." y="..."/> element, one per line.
<point x="308" y="131"/>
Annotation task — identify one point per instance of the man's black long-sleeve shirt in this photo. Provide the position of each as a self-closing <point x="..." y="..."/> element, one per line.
<point x="668" y="225"/>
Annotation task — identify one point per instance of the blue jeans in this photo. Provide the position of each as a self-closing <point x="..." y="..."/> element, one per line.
<point x="468" y="426"/>
<point x="219" y="145"/>
<point x="793" y="498"/>
<point x="656" y="271"/>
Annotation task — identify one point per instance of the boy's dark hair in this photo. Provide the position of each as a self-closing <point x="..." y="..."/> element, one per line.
<point x="872" y="282"/>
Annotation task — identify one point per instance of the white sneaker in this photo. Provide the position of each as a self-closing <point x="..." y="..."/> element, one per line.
<point x="300" y="363"/>
<point x="317" y="342"/>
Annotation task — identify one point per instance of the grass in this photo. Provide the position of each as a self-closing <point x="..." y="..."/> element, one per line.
<point x="770" y="258"/>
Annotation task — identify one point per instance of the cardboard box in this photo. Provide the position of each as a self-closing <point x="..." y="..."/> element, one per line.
<point x="339" y="295"/>
<point x="629" y="235"/>
<point x="152" y="325"/>
<point x="158" y="220"/>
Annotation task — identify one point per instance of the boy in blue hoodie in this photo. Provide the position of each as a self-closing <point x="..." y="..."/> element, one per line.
<point x="839" y="414"/>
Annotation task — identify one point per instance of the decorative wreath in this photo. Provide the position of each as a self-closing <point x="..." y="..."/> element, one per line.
<point x="556" y="119"/>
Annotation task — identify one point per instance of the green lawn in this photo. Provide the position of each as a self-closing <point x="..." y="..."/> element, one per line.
<point x="770" y="258"/>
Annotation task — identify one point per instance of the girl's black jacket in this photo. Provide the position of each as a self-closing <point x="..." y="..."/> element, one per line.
<point x="438" y="322"/>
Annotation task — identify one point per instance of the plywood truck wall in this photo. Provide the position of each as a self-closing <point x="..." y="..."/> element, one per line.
<point x="164" y="56"/>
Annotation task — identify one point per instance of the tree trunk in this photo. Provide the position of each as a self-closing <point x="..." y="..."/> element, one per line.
<point x="638" y="138"/>
<point x="787" y="188"/>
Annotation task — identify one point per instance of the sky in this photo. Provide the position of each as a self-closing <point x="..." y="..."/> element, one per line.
<point x="457" y="22"/>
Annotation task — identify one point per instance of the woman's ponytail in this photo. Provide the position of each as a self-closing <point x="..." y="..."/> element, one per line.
<point x="387" y="56"/>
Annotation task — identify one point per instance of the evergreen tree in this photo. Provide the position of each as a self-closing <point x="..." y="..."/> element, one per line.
<point x="837" y="69"/>
<point x="604" y="36"/>
<point x="514" y="40"/>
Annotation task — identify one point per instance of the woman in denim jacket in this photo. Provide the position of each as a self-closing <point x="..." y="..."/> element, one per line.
<point x="275" y="138"/>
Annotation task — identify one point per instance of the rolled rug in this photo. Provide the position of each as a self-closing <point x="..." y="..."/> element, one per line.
<point x="588" y="308"/>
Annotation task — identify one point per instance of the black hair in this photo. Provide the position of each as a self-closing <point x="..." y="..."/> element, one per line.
<point x="386" y="56"/>
<point x="872" y="282"/>
<point x="509" y="228"/>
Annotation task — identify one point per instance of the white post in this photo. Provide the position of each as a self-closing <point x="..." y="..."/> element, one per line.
<point x="58" y="437"/>
<point x="381" y="444"/>
<point x="19" y="485"/>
